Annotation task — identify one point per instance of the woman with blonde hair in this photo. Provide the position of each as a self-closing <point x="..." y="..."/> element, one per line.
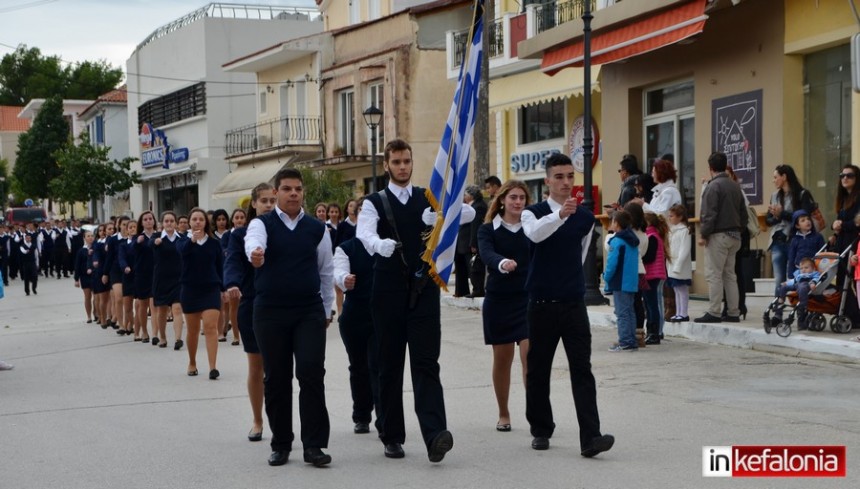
<point x="504" y="248"/>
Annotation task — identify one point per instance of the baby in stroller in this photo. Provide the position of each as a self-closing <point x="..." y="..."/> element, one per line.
<point x="805" y="278"/>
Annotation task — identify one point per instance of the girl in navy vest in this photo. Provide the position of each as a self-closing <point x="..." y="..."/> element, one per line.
<point x="143" y="264"/>
<point x="201" y="294"/>
<point x="238" y="220"/>
<point x="100" y="288"/>
<point x="165" y="281"/>
<point x="83" y="274"/>
<point x="504" y="247"/>
<point x="113" y="274"/>
<point x="353" y="274"/>
<point x="126" y="265"/>
<point x="239" y="282"/>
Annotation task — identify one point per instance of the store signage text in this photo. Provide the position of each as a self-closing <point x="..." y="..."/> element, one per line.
<point x="534" y="161"/>
<point x="155" y="149"/>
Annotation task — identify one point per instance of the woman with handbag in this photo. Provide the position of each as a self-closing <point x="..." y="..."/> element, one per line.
<point x="789" y="196"/>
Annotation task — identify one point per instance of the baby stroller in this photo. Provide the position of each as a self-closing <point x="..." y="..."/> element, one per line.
<point x="824" y="298"/>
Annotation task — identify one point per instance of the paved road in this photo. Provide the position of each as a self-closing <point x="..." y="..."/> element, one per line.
<point x="85" y="408"/>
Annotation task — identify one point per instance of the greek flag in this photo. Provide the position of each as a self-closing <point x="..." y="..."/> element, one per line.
<point x="451" y="170"/>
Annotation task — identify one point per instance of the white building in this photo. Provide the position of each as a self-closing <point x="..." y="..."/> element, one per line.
<point x="181" y="103"/>
<point x="106" y="121"/>
<point x="71" y="112"/>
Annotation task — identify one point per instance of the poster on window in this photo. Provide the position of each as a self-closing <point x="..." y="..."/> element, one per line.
<point x="737" y="133"/>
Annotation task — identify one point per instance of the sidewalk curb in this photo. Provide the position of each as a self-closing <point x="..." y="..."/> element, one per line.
<point x="801" y="346"/>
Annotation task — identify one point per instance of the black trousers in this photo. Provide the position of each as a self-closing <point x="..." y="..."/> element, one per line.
<point x="549" y="323"/>
<point x="30" y="275"/>
<point x="284" y="333"/>
<point x="61" y="257"/>
<point x="478" y="274"/>
<point x="421" y="330"/>
<point x="4" y="269"/>
<point x="359" y="339"/>
<point x="46" y="261"/>
<point x="462" y="270"/>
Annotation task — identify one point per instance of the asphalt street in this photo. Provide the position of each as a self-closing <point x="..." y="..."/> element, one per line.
<point x="85" y="408"/>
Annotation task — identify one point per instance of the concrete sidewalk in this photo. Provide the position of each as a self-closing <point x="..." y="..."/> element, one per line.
<point x="748" y="334"/>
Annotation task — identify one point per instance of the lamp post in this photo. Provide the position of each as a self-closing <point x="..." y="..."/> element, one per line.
<point x="592" y="281"/>
<point x="372" y="117"/>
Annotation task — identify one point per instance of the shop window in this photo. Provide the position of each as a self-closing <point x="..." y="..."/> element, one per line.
<point x="346" y="123"/>
<point x="827" y="122"/>
<point x="541" y="122"/>
<point x="667" y="99"/>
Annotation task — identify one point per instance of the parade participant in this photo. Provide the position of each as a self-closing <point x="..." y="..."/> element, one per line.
<point x="29" y="263"/>
<point x="238" y="220"/>
<point x="201" y="289"/>
<point x="112" y="273"/>
<point x="126" y="265"/>
<point x="291" y="252"/>
<point x="77" y="243"/>
<point x="353" y="275"/>
<point x="346" y="228"/>
<point x="5" y="256"/>
<point x="239" y="282"/>
<point x="62" y="238"/>
<point x="165" y="281"/>
<point x="182" y="225"/>
<point x="561" y="232"/>
<point x="97" y="264"/>
<point x="321" y="211"/>
<point x="143" y="267"/>
<point x="45" y="246"/>
<point x="220" y="224"/>
<point x="405" y="302"/>
<point x="505" y="250"/>
<point x="83" y="274"/>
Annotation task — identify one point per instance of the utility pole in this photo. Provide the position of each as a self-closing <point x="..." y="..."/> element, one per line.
<point x="482" y="120"/>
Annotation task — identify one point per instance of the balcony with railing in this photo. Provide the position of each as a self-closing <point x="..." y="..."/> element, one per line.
<point x="273" y="134"/>
<point x="506" y="32"/>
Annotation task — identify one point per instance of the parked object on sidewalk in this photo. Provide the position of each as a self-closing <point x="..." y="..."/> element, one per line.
<point x="6" y="365"/>
<point x="824" y="298"/>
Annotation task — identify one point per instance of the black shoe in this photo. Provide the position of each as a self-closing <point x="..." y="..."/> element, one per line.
<point x="652" y="339"/>
<point x="121" y="332"/>
<point x="732" y="319"/>
<point x="178" y="345"/>
<point x="394" y="450"/>
<point x="707" y="318"/>
<point x="599" y="444"/>
<point x="255" y="435"/>
<point x="316" y="457"/>
<point x="540" y="443"/>
<point x="278" y="457"/>
<point x="34" y="292"/>
<point x="361" y="428"/>
<point x="442" y="444"/>
<point x="474" y="295"/>
<point x="154" y="339"/>
<point x="214" y="374"/>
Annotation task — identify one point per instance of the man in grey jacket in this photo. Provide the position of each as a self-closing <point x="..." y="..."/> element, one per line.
<point x="723" y="215"/>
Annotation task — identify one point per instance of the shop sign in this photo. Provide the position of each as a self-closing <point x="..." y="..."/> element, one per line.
<point x="531" y="162"/>
<point x="178" y="155"/>
<point x="575" y="142"/>
<point x="155" y="151"/>
<point x="737" y="132"/>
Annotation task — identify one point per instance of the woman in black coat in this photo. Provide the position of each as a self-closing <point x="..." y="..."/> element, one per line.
<point x="504" y="248"/>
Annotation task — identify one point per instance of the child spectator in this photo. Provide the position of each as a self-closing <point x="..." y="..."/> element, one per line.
<point x="804" y="279"/>
<point x="621" y="276"/>
<point x="655" y="273"/>
<point x="806" y="241"/>
<point x="680" y="269"/>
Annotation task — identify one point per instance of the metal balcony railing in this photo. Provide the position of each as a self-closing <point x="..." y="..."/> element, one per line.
<point x="273" y="133"/>
<point x="494" y="50"/>
<point x="552" y="13"/>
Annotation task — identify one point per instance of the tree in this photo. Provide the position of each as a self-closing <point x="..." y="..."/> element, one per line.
<point x="36" y="164"/>
<point x="5" y="184"/>
<point x="324" y="186"/>
<point x="87" y="173"/>
<point x="27" y="74"/>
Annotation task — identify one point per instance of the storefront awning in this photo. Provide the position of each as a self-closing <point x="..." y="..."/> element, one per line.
<point x="155" y="175"/>
<point x="240" y="181"/>
<point x="534" y="87"/>
<point x="644" y="35"/>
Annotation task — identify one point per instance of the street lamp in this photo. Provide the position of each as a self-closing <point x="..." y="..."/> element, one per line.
<point x="372" y="117"/>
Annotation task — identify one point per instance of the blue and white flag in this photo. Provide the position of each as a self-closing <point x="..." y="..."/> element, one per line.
<point x="451" y="170"/>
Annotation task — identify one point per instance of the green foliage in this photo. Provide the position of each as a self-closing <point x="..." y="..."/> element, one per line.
<point x="27" y="74"/>
<point x="86" y="173"/>
<point x="324" y="186"/>
<point x="5" y="184"/>
<point x="36" y="165"/>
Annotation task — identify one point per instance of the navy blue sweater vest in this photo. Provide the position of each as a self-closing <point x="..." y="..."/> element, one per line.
<point x="389" y="272"/>
<point x="289" y="275"/>
<point x="556" y="265"/>
<point x="202" y="264"/>
<point x="360" y="265"/>
<point x="494" y="246"/>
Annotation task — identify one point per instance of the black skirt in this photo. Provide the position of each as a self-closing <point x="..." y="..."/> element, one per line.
<point x="505" y="319"/>
<point x="199" y="299"/>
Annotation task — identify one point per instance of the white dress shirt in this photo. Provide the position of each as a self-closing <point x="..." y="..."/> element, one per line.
<point x="170" y="237"/>
<point x="341" y="268"/>
<point x="366" y="231"/>
<point x="257" y="237"/>
<point x="514" y="228"/>
<point x="538" y="230"/>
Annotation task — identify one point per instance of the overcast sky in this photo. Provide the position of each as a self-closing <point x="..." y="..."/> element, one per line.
<point x="78" y="30"/>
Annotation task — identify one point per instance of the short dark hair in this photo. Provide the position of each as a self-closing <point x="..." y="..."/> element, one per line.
<point x="622" y="218"/>
<point x="557" y="159"/>
<point x="630" y="164"/>
<point x="287" y="173"/>
<point x="395" y="145"/>
<point x="717" y="162"/>
<point x="493" y="180"/>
